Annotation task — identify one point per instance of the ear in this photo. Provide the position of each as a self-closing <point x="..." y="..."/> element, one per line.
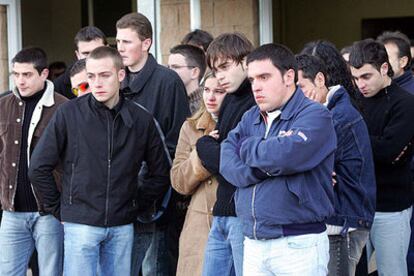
<point x="384" y="69"/>
<point x="402" y="62"/>
<point x="44" y="74"/>
<point x="121" y="75"/>
<point x="195" y="73"/>
<point x="289" y="77"/>
<point x="319" y="80"/>
<point x="77" y="54"/>
<point x="146" y="44"/>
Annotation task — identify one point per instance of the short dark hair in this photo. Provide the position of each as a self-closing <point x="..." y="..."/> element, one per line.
<point x="104" y="52"/>
<point x="33" y="55"/>
<point x="280" y="56"/>
<point x="138" y="23"/>
<point x="77" y="67"/>
<point x="401" y="41"/>
<point x="310" y="66"/>
<point x="198" y="38"/>
<point x="89" y="33"/>
<point x="193" y="55"/>
<point x="234" y="46"/>
<point x="369" y="51"/>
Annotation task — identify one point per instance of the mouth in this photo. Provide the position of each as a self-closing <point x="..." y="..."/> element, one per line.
<point x="211" y="106"/>
<point x="259" y="98"/>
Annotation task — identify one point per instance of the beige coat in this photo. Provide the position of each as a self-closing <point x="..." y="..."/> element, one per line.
<point x="189" y="177"/>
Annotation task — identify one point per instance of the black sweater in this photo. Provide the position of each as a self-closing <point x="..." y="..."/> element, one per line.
<point x="233" y="107"/>
<point x="389" y="116"/>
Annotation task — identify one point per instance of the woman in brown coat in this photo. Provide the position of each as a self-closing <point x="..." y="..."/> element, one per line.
<point x="189" y="177"/>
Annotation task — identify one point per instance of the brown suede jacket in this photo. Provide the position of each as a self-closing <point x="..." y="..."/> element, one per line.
<point x="11" y="121"/>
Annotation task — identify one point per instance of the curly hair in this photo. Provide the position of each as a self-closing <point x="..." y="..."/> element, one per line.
<point x="337" y="71"/>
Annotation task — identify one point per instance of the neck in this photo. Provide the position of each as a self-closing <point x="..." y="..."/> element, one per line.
<point x="387" y="82"/>
<point x="191" y="87"/>
<point x="112" y="102"/>
<point x="138" y="66"/>
<point x="291" y="91"/>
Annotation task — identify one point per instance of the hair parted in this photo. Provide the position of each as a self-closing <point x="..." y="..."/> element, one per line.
<point x="369" y="51"/>
<point x="233" y="46"/>
<point x="401" y="41"/>
<point x="310" y="66"/>
<point x="34" y="55"/>
<point x="193" y="55"/>
<point x="198" y="38"/>
<point x="105" y="52"/>
<point x="138" y="23"/>
<point x="89" y="33"/>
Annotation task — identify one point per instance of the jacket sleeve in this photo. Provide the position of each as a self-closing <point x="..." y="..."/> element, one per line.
<point x="187" y="171"/>
<point x="397" y="134"/>
<point x="232" y="168"/>
<point x="43" y="161"/>
<point x="208" y="150"/>
<point x="310" y="139"/>
<point x="155" y="182"/>
<point x="176" y="112"/>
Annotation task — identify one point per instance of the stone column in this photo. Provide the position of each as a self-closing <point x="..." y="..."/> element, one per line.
<point x="4" y="67"/>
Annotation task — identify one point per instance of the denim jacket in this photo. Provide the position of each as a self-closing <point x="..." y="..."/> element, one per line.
<point x="285" y="177"/>
<point x="355" y="190"/>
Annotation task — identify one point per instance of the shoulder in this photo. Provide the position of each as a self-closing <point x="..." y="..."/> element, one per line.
<point x="6" y="96"/>
<point x="138" y="110"/>
<point x="59" y="99"/>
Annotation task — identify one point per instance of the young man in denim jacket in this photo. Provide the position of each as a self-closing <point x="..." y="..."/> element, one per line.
<point x="281" y="158"/>
<point x="354" y="190"/>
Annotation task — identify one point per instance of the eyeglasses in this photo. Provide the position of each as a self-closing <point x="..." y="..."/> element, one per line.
<point x="176" y="67"/>
<point x="82" y="87"/>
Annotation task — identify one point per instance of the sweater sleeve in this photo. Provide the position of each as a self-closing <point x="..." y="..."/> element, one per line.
<point x="43" y="161"/>
<point x="187" y="171"/>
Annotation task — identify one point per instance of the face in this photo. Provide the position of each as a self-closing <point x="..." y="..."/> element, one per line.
<point x="178" y="63"/>
<point x="369" y="80"/>
<point x="132" y="49"/>
<point x="314" y="90"/>
<point x="271" y="90"/>
<point x="396" y="62"/>
<point x="230" y="74"/>
<point x="213" y="95"/>
<point x="104" y="80"/>
<point x="86" y="47"/>
<point x="79" y="82"/>
<point x="27" y="79"/>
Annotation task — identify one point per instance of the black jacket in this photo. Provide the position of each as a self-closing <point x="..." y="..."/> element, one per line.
<point x="62" y="84"/>
<point x="101" y="152"/>
<point x="232" y="109"/>
<point x="389" y="116"/>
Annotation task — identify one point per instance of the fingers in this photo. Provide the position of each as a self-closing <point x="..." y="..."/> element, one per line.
<point x="214" y="134"/>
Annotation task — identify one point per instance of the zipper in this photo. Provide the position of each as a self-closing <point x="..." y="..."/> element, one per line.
<point x="71" y="183"/>
<point x="253" y="214"/>
<point x="110" y="152"/>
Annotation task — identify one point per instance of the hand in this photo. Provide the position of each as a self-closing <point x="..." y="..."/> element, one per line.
<point x="214" y="134"/>
<point x="334" y="179"/>
<point x="312" y="95"/>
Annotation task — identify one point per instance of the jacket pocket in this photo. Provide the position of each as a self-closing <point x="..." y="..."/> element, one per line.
<point x="297" y="187"/>
<point x="72" y="176"/>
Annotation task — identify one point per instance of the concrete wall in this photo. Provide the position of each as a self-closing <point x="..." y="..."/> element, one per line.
<point x="175" y="20"/>
<point x="51" y="24"/>
<point x="299" y="21"/>
<point x="4" y="67"/>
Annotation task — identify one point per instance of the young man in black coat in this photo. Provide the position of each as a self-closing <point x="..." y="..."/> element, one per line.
<point x="101" y="141"/>
<point x="161" y="91"/>
<point x="388" y="112"/>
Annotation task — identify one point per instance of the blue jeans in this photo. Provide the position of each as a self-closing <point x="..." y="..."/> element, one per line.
<point x="390" y="237"/>
<point x="20" y="233"/>
<point x="86" y="246"/>
<point x="304" y="255"/>
<point x="345" y="252"/>
<point x="149" y="251"/>
<point x="224" y="249"/>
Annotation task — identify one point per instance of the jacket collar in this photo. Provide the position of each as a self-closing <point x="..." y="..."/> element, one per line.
<point x="336" y="95"/>
<point x="121" y="108"/>
<point x="205" y="121"/>
<point x="47" y="99"/>
<point x="140" y="81"/>
<point x="290" y="108"/>
<point x="404" y="78"/>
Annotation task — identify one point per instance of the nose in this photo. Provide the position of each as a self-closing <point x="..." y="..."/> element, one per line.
<point x="255" y="86"/>
<point x="120" y="46"/>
